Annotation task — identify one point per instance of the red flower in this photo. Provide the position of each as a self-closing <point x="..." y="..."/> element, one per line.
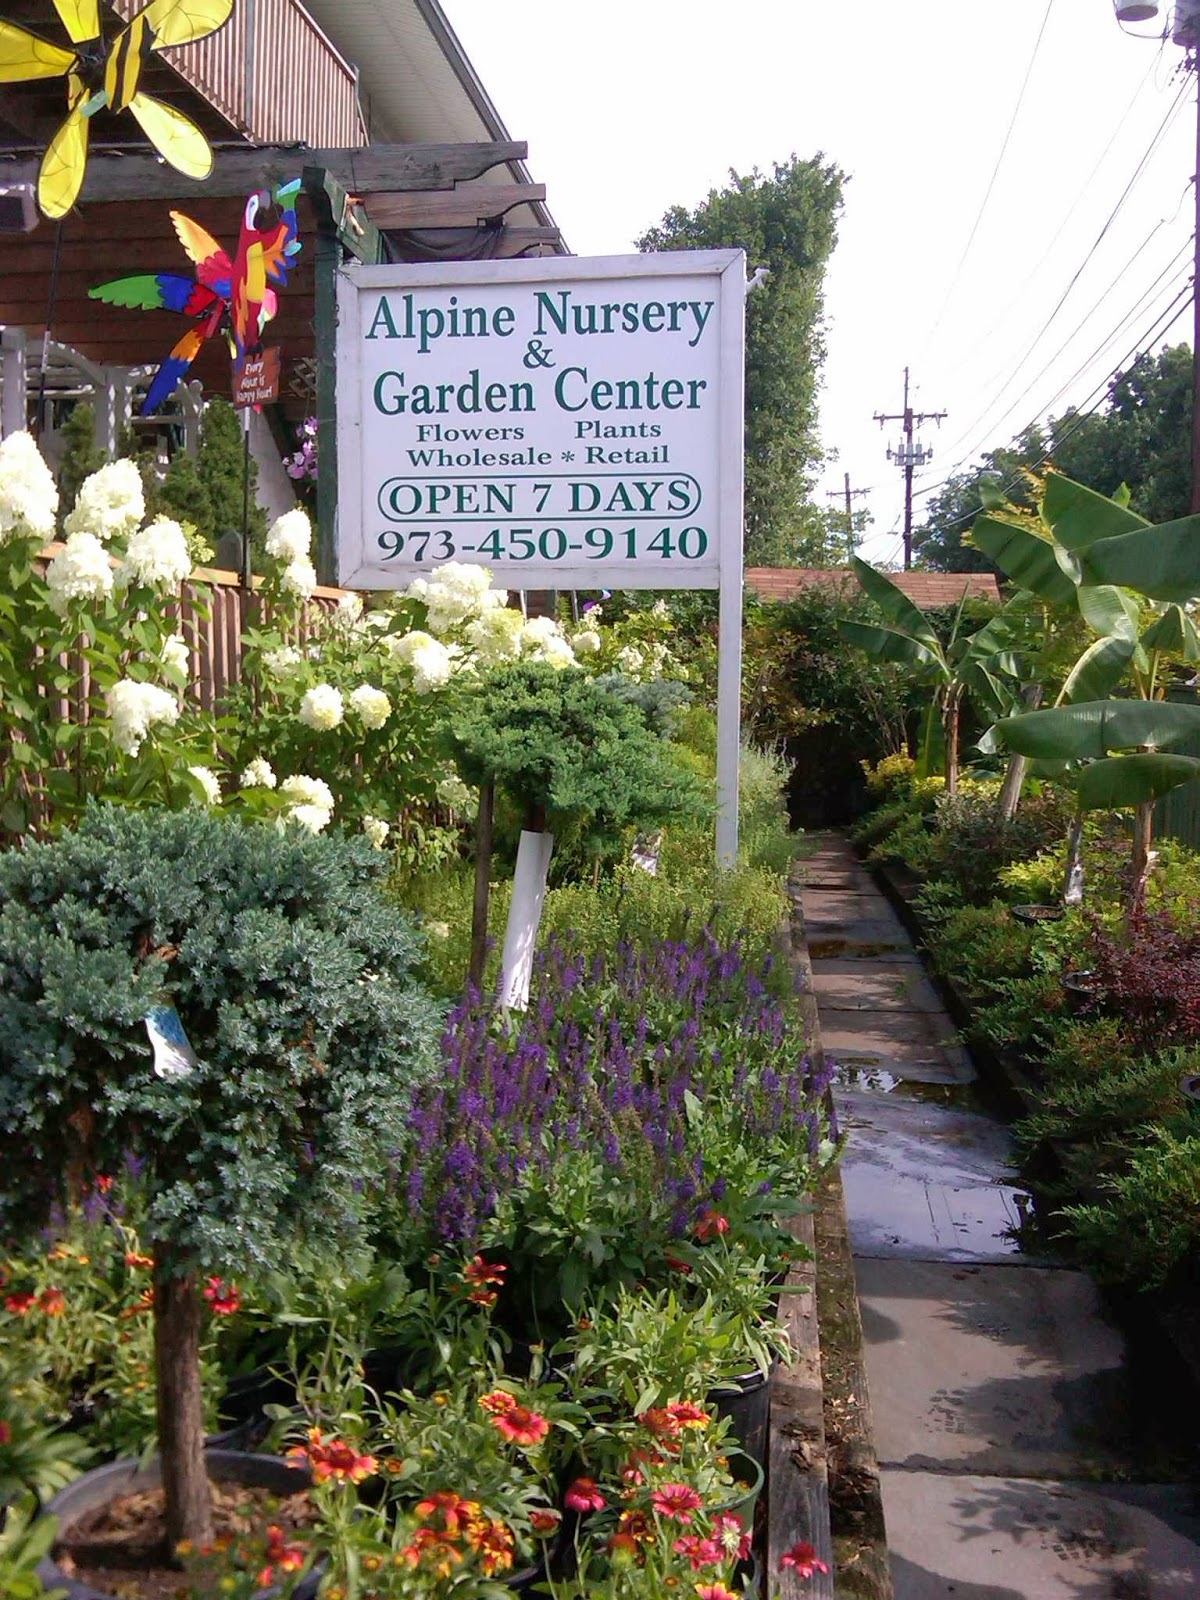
<point x="715" y="1591"/>
<point x="144" y="1302"/>
<point x="20" y="1304"/>
<point x="688" y="1414"/>
<point x="52" y="1301"/>
<point x="676" y="1501"/>
<point x="660" y="1421"/>
<point x="711" y="1224"/>
<point x="676" y="1265"/>
<point x="280" y="1557"/>
<point x="803" y="1560"/>
<point x="543" y="1519"/>
<point x="435" y="1552"/>
<point x="729" y="1534"/>
<point x="133" y="1259"/>
<point x="332" y="1458"/>
<point x="637" y="1525"/>
<point x="5" y="1433"/>
<point x="103" y="1183"/>
<point x="478" y="1274"/>
<point x="493" y="1543"/>
<point x="455" y="1514"/>
<point x="583" y="1495"/>
<point x="700" y="1553"/>
<point x="521" y="1426"/>
<point x="223" y="1298"/>
<point x="624" y="1548"/>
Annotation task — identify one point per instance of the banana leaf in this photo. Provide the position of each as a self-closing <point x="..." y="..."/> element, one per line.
<point x="1093" y="728"/>
<point x="895" y="605"/>
<point x="1027" y="558"/>
<point x="1099" y="669"/>
<point x="1078" y="516"/>
<point x="1122" y="782"/>
<point x="1162" y="562"/>
<point x="1174" y="634"/>
<point x="885" y="644"/>
<point x="1108" y="610"/>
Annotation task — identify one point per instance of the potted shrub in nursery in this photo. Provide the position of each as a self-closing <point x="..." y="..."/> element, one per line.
<point x="231" y="1006"/>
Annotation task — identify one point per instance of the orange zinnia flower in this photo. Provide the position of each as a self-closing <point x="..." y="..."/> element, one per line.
<point x="543" y="1519"/>
<point x="521" y="1426"/>
<point x="20" y="1304"/>
<point x="431" y="1550"/>
<point x="133" y="1259"/>
<point x="688" y="1414"/>
<point x="494" y="1544"/>
<point x="53" y="1302"/>
<point x="332" y="1458"/>
<point x="478" y="1274"/>
<point x="455" y="1514"/>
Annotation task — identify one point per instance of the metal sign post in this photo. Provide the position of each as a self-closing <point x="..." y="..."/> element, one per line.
<point x="568" y="423"/>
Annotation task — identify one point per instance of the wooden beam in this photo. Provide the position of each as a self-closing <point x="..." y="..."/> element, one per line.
<point x="389" y="168"/>
<point x="453" y="208"/>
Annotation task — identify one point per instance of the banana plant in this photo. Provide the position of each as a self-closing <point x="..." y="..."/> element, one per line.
<point x="1115" y="566"/>
<point x="980" y="664"/>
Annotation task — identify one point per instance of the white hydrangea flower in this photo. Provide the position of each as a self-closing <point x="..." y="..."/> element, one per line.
<point x="134" y="708"/>
<point x="661" y="610"/>
<point x="631" y="660"/>
<point x="175" y="653"/>
<point x="455" y="593"/>
<point x="437" y="930"/>
<point x="314" y="818"/>
<point x="279" y="663"/>
<point x="453" y="792"/>
<point x="156" y="557"/>
<point x="542" y="640"/>
<point x="28" y="494"/>
<point x="300" y="577"/>
<point x="289" y="538"/>
<point x="349" y="610"/>
<point x="259" y="774"/>
<point x="371" y="706"/>
<point x="586" y="643"/>
<point x="81" y="572"/>
<point x="321" y="708"/>
<point x="110" y="504"/>
<point x="209" y="782"/>
<point x="376" y="830"/>
<point x="432" y="667"/>
<point x="496" y="636"/>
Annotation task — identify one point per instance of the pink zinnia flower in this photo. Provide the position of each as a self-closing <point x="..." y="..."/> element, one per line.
<point x="699" y="1553"/>
<point x="583" y="1495"/>
<point x="223" y="1298"/>
<point x="715" y="1591"/>
<point x="733" y="1539"/>
<point x="803" y="1560"/>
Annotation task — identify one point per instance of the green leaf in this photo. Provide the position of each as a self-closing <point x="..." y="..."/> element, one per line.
<point x="1096" y="727"/>
<point x="1078" y="516"/>
<point x="1099" y="669"/>
<point x="1027" y="558"/>
<point x="895" y="604"/>
<point x="1162" y="562"/>
<point x="1107" y="610"/>
<point x="887" y="645"/>
<point x="1120" y="782"/>
<point x="1173" y="634"/>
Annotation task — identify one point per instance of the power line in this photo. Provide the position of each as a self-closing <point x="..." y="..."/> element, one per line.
<point x="1172" y="112"/>
<point x="992" y="180"/>
<point x="1159" y="326"/>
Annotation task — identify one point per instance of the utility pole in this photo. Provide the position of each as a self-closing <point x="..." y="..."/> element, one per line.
<point x="851" y="496"/>
<point x="909" y="455"/>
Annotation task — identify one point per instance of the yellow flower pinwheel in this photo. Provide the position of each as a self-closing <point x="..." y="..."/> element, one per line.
<point x="104" y="73"/>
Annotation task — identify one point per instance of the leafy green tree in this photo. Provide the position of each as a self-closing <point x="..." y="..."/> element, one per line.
<point x="1141" y="438"/>
<point x="787" y="222"/>
<point x="291" y="974"/>
<point x="220" y="465"/>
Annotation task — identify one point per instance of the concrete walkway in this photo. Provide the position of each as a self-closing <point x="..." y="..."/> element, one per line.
<point x="1006" y="1440"/>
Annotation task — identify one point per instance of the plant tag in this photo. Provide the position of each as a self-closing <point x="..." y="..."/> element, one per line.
<point x="174" y="1057"/>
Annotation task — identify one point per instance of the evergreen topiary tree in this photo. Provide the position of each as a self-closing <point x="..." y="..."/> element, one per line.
<point x="291" y="977"/>
<point x="81" y="456"/>
<point x="221" y="466"/>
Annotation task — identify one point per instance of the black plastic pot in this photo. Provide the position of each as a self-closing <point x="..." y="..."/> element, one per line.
<point x="1082" y="990"/>
<point x="104" y="1484"/>
<point x="1035" y="916"/>
<point x="748" y="1407"/>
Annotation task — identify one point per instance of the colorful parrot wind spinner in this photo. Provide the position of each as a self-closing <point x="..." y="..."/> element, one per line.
<point x="238" y="295"/>
<point x="104" y="72"/>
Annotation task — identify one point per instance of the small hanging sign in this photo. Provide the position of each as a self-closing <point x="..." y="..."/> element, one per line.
<point x="174" y="1057"/>
<point x="256" y="378"/>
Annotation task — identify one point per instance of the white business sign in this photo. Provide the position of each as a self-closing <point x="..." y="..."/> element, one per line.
<point x="570" y="423"/>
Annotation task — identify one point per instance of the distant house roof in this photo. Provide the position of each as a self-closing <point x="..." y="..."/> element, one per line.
<point x="929" y="590"/>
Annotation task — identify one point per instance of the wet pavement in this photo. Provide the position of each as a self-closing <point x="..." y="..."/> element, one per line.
<point x="1005" y="1431"/>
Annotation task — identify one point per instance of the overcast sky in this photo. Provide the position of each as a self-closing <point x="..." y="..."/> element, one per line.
<point x="632" y="106"/>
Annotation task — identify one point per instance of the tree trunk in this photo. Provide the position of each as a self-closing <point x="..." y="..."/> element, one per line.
<point x="1014" y="777"/>
<point x="177" y="1314"/>
<point x="1143" y="856"/>
<point x="483" y="883"/>
<point x="950" y="726"/>
<point x="1073" y="881"/>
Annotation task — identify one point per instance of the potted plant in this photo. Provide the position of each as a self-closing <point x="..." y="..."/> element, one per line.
<point x="266" y="1091"/>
